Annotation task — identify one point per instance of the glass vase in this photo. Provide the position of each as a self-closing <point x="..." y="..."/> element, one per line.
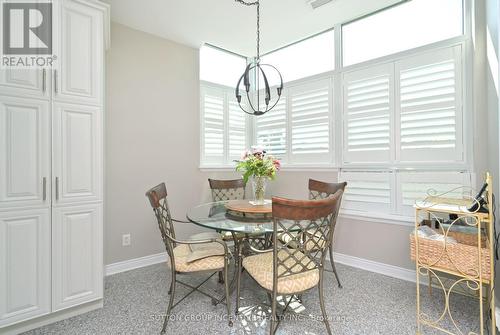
<point x="259" y="184"/>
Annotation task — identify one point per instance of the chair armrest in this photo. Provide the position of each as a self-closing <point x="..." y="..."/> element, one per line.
<point x="212" y="240"/>
<point x="257" y="251"/>
<point x="180" y="221"/>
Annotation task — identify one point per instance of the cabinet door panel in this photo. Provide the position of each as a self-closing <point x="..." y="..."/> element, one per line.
<point x="25" y="82"/>
<point x="80" y="67"/>
<point x="24" y="152"/>
<point x="77" y="153"/>
<point x="76" y="255"/>
<point x="24" y="265"/>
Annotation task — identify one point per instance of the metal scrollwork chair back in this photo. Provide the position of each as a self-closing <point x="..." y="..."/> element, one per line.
<point x="322" y="190"/>
<point x="158" y="199"/>
<point x="227" y="189"/>
<point x="178" y="252"/>
<point x="223" y="190"/>
<point x="285" y="270"/>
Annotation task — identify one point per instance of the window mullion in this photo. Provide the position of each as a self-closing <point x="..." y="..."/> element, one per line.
<point x="395" y="115"/>
<point x="337" y="120"/>
<point x="338" y="46"/>
<point x="288" y="116"/>
<point x="225" y="121"/>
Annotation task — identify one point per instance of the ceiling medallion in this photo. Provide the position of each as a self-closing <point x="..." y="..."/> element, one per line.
<point x="254" y="108"/>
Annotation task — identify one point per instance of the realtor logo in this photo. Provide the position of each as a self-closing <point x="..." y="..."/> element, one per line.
<point x="27" y="34"/>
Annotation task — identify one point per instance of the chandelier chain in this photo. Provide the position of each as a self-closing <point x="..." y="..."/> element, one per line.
<point x="254" y="3"/>
<point x="254" y="69"/>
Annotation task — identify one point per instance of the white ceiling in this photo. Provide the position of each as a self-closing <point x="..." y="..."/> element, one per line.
<point x="231" y="26"/>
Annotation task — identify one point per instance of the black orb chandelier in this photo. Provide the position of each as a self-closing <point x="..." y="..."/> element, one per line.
<point x="256" y="67"/>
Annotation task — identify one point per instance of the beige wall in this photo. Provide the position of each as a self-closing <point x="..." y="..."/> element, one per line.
<point x="151" y="136"/>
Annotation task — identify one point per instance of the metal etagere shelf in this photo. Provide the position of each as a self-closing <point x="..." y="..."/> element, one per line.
<point x="460" y="260"/>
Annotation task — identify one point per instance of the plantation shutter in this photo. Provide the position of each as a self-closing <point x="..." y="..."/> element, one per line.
<point x="212" y="101"/>
<point x="416" y="186"/>
<point x="270" y="130"/>
<point x="368" y="108"/>
<point x="367" y="191"/>
<point x="430" y="106"/>
<point x="237" y="135"/>
<point x="310" y="113"/>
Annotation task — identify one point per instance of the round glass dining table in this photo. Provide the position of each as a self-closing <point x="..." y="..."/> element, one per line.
<point x="214" y="215"/>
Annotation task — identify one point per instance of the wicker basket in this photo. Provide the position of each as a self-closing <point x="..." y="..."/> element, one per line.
<point x="461" y="257"/>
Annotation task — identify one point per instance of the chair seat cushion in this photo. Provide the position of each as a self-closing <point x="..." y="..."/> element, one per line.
<point x="260" y="267"/>
<point x="181" y="254"/>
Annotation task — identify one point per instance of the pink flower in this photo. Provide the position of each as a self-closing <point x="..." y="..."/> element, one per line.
<point x="258" y="150"/>
<point x="244" y="155"/>
<point x="277" y="164"/>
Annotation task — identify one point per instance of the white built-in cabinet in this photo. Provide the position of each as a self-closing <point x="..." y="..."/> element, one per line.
<point x="51" y="171"/>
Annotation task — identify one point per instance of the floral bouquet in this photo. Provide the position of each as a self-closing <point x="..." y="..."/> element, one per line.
<point x="259" y="166"/>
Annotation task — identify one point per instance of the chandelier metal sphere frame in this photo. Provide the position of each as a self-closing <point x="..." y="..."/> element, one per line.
<point x="258" y="69"/>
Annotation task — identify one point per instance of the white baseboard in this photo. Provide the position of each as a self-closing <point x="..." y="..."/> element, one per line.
<point x="135" y="263"/>
<point x="377" y="267"/>
<point x="41" y="321"/>
<point x="356" y="262"/>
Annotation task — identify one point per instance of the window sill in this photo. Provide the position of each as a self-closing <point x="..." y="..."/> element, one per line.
<point x="210" y="168"/>
<point x="284" y="168"/>
<point x="378" y="217"/>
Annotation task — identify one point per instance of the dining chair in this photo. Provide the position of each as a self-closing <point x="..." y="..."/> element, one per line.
<point x="223" y="190"/>
<point x="227" y="189"/>
<point x="288" y="271"/>
<point x="322" y="190"/>
<point x="216" y="257"/>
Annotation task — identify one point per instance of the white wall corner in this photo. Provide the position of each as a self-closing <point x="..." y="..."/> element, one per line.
<point x="497" y="313"/>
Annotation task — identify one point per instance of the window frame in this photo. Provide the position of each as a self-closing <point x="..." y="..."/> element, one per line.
<point x="466" y="104"/>
<point x="222" y="51"/>
<point x="336" y="164"/>
<point x="227" y="162"/>
<point x="288" y="162"/>
<point x="467" y="9"/>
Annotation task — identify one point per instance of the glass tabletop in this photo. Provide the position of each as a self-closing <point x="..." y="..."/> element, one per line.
<point x="214" y="215"/>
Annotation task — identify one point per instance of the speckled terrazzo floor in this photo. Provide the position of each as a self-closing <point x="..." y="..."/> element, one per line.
<point x="369" y="303"/>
